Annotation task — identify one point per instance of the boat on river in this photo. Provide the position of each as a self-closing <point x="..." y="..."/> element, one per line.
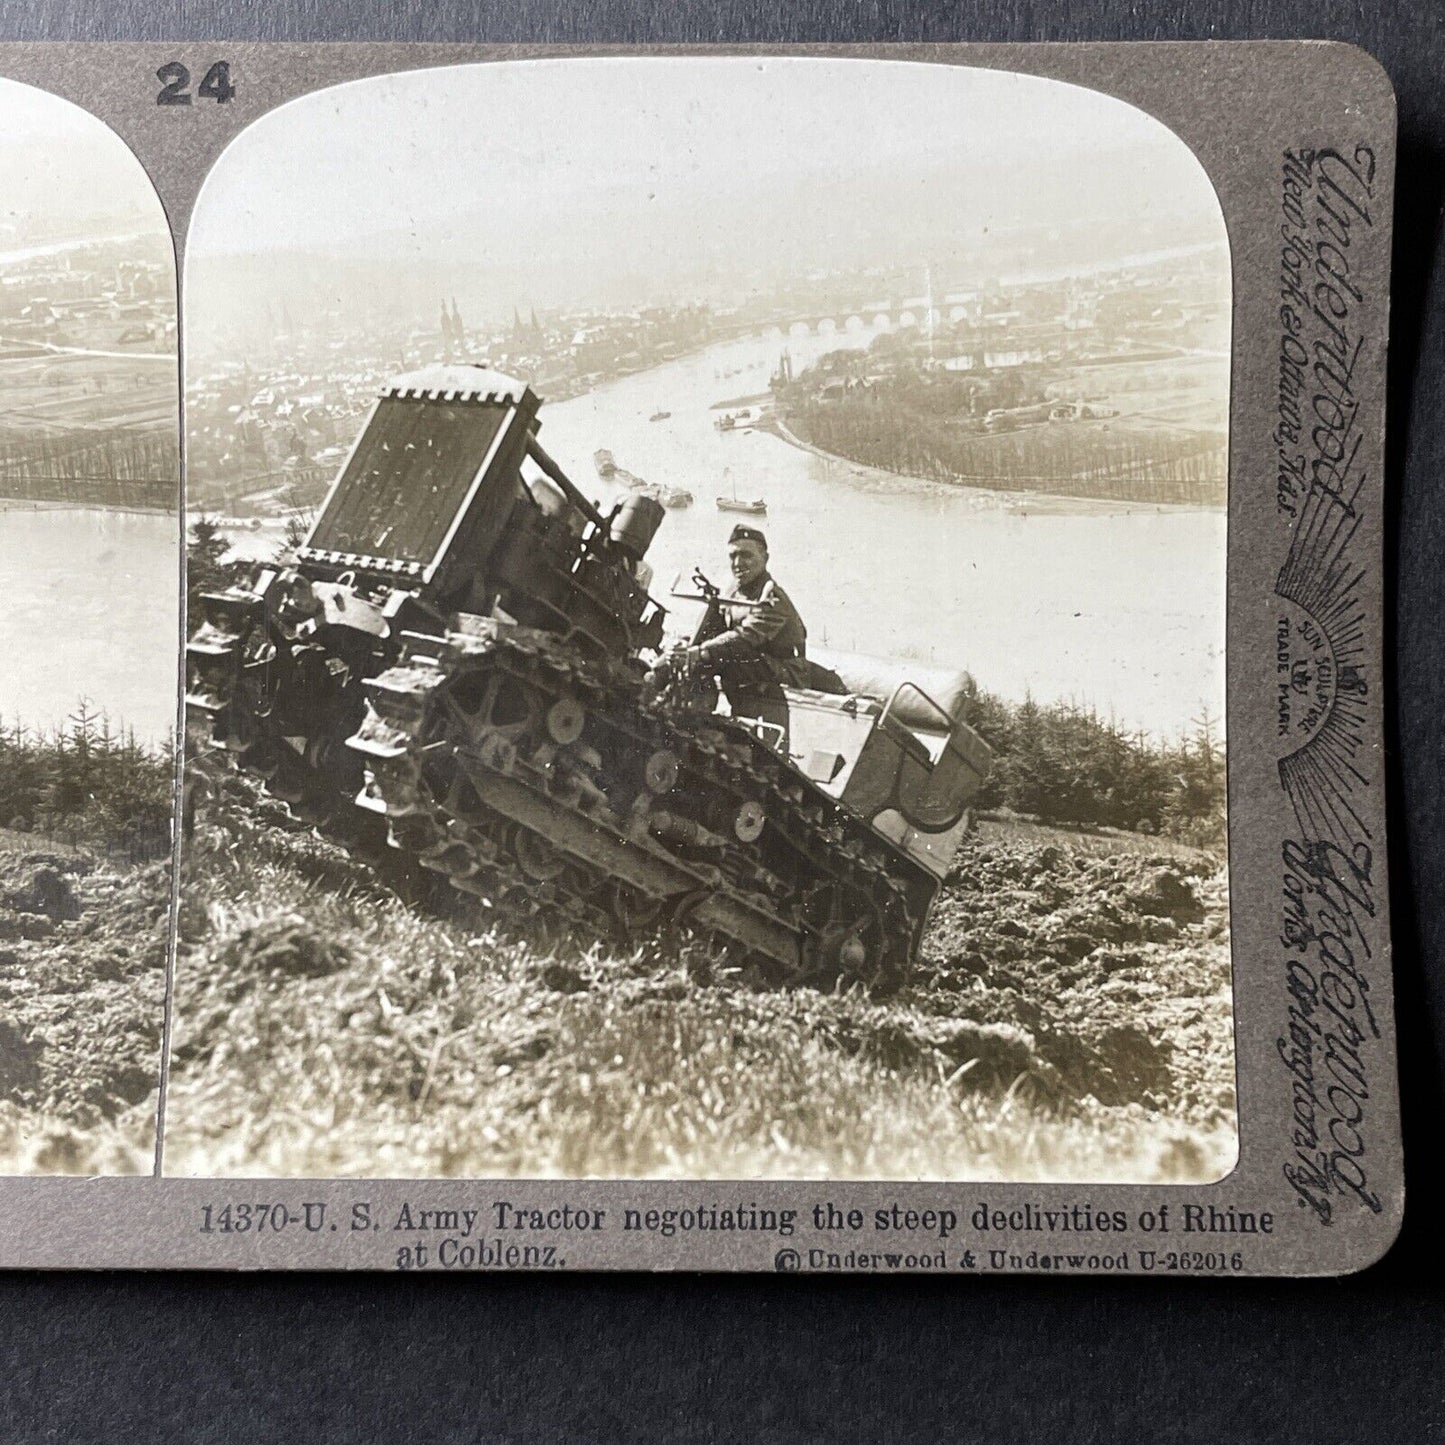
<point x="757" y="507"/>
<point x="673" y="498"/>
<point x="609" y="471"/>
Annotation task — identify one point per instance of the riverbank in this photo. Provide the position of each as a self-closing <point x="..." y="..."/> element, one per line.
<point x="93" y="611"/>
<point x="137" y="509"/>
<point x="1110" y="606"/>
<point x="250" y="539"/>
<point x="1022" y="502"/>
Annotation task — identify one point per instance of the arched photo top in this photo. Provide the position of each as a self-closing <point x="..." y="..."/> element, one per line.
<point x="89" y="430"/>
<point x="90" y="557"/>
<point x="928" y="366"/>
<point x="68" y="180"/>
<point x="640" y="174"/>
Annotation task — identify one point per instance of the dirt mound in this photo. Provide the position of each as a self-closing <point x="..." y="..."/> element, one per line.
<point x="1116" y="968"/>
<point x="1164" y="893"/>
<point x="45" y="887"/>
<point x="286" y="945"/>
<point x="1070" y="1017"/>
<point x="19" y="1060"/>
<point x="902" y="1040"/>
<point x="82" y="985"/>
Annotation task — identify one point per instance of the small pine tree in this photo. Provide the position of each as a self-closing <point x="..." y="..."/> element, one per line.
<point x="207" y="569"/>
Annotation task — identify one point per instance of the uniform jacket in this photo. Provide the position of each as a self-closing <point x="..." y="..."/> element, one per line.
<point x="772" y="630"/>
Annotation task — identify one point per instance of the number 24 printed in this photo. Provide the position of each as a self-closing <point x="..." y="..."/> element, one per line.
<point x="175" y="79"/>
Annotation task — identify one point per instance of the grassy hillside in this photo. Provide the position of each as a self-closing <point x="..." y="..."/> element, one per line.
<point x="1070" y="1018"/>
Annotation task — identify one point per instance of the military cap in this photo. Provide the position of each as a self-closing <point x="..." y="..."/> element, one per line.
<point x="744" y="533"/>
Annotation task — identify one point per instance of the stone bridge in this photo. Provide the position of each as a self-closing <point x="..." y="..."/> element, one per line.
<point x="853" y="320"/>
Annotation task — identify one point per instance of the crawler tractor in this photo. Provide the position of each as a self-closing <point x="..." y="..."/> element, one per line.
<point x="460" y="652"/>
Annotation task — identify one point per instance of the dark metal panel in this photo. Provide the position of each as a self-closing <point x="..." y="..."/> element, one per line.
<point x="408" y="478"/>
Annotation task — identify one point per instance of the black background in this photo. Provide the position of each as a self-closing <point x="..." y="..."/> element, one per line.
<point x="492" y="1358"/>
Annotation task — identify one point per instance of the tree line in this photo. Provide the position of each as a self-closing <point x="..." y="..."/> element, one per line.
<point x="1067" y="765"/>
<point x="118" y="468"/>
<point x="1078" y="459"/>
<point x="87" y="784"/>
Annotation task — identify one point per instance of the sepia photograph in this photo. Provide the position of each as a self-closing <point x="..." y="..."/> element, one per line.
<point x="90" y="553"/>
<point x="705" y="614"/>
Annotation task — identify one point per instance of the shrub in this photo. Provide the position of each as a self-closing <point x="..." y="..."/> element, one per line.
<point x="1067" y="765"/>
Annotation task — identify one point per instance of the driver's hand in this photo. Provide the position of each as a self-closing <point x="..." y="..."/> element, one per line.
<point x="677" y="661"/>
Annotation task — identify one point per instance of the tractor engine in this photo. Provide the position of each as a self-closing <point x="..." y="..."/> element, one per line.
<point x="446" y="505"/>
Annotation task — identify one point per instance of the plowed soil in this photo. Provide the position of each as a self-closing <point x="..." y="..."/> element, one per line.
<point x="82" y="994"/>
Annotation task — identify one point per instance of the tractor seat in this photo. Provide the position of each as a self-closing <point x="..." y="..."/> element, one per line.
<point x="878" y="677"/>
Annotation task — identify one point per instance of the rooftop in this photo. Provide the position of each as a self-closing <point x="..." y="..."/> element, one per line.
<point x="457" y="382"/>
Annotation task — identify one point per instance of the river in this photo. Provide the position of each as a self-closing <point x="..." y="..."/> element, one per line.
<point x="1113" y="606"/>
<point x="90" y="610"/>
<point x="1116" y="607"/>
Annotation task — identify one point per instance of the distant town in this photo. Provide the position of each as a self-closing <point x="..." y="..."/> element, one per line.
<point x="268" y="438"/>
<point x="88" y="365"/>
<point x="1111" y="385"/>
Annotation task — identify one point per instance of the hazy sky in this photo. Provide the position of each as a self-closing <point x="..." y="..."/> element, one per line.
<point x="61" y="169"/>
<point x="557" y="176"/>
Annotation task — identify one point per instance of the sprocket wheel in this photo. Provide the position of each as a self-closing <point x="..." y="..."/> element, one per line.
<point x="847" y="940"/>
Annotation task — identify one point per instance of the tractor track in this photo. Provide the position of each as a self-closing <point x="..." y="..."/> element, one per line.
<point x="485" y="754"/>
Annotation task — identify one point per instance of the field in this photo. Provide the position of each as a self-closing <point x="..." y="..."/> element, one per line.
<point x="1070" y="1018"/>
<point x="58" y="393"/>
<point x="82" y="995"/>
<point x="1161" y="438"/>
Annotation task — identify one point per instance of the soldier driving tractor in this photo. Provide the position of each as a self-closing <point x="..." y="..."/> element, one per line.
<point x="751" y="637"/>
